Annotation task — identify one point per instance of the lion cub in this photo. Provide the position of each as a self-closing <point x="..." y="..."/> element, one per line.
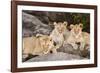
<point x="78" y="38"/>
<point x="39" y="45"/>
<point x="57" y="34"/>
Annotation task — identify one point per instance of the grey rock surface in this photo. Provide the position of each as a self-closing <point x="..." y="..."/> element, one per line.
<point x="55" y="57"/>
<point x="69" y="49"/>
<point x="32" y="24"/>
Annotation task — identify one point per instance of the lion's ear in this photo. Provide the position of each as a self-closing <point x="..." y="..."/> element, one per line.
<point x="71" y="26"/>
<point x="55" y="23"/>
<point x="81" y="25"/>
<point x="65" y="23"/>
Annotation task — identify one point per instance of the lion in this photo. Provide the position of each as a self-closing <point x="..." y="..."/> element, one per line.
<point x="58" y="34"/>
<point x="77" y="38"/>
<point x="39" y="45"/>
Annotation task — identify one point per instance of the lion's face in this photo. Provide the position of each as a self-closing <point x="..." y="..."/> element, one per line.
<point x="76" y="29"/>
<point x="46" y="41"/>
<point x="60" y="27"/>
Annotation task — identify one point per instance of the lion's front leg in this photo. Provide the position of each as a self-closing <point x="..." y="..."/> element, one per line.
<point x="60" y="44"/>
<point x="54" y="50"/>
<point x="82" y="46"/>
<point x="75" y="46"/>
<point x="87" y="47"/>
<point x="72" y="42"/>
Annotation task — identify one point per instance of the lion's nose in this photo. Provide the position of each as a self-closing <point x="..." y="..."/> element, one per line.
<point x="78" y="43"/>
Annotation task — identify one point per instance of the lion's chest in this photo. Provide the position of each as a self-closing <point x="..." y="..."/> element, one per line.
<point x="57" y="37"/>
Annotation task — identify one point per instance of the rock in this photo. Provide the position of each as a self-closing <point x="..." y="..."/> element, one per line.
<point x="31" y="18"/>
<point x="26" y="32"/>
<point x="69" y="49"/>
<point x="34" y="25"/>
<point x="55" y="57"/>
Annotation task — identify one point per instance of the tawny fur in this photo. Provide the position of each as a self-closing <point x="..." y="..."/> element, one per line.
<point x="39" y="45"/>
<point x="78" y="36"/>
<point x="57" y="34"/>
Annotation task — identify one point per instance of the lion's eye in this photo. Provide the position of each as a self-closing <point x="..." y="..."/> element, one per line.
<point x="50" y="39"/>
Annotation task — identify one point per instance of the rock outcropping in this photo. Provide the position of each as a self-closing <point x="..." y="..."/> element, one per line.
<point x="32" y="25"/>
<point x="55" y="57"/>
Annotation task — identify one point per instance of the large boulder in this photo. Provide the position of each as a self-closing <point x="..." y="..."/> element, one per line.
<point x="55" y="57"/>
<point x="33" y="25"/>
<point x="70" y="50"/>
